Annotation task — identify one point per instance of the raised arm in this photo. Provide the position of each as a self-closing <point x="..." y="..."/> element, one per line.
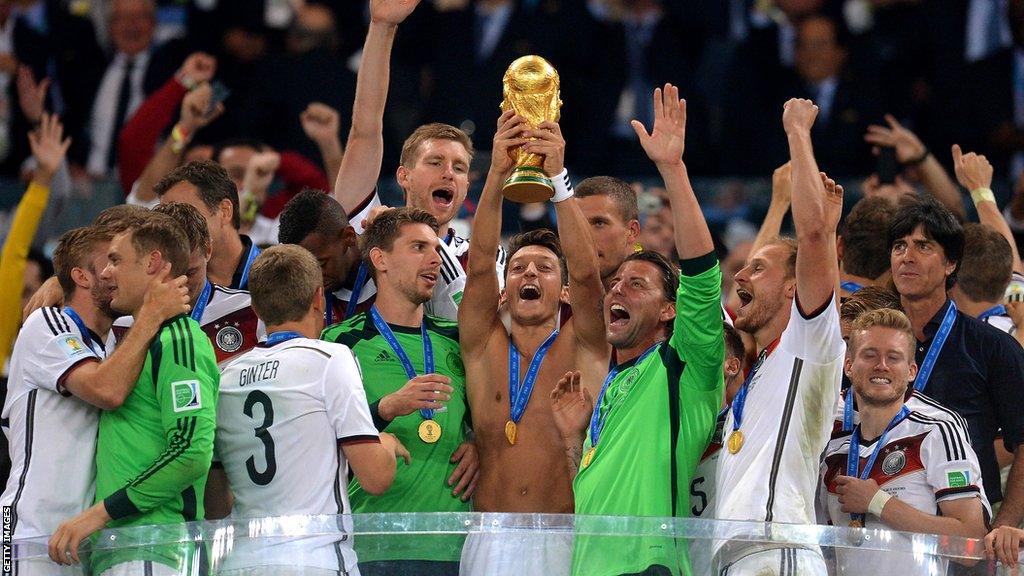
<point x="664" y="146"/>
<point x="586" y="292"/>
<point x="817" y="266"/>
<point x="782" y="197"/>
<point x="364" y="151"/>
<point x="478" y="311"/>
<point x="912" y="153"/>
<point x="321" y="123"/>
<point x="974" y="172"/>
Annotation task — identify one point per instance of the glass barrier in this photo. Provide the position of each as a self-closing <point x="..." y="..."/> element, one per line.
<point x="496" y="544"/>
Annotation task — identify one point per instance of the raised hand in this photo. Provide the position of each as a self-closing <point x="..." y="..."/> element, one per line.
<point x="547" y="141"/>
<point x="908" y="146"/>
<point x="510" y="134"/>
<point x="49" y="147"/>
<point x="665" y="143"/>
<point x="31" y="94"/>
<point x="391" y="11"/>
<point x="320" y="122"/>
<point x="973" y="171"/>
<point x="195" y="108"/>
<point x="798" y="115"/>
<point x="782" y="185"/>
<point x="424" y="392"/>
<point x="199" y="67"/>
<point x="572" y="407"/>
<point x="833" y="201"/>
<point x="871" y="187"/>
<point x="259" y="173"/>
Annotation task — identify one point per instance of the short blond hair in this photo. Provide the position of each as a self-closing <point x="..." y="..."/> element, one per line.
<point x="883" y="318"/>
<point x="433" y="131"/>
<point x="282" y="282"/>
<point x="74" y="250"/>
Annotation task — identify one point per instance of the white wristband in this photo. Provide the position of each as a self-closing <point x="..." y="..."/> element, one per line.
<point x="878" y="502"/>
<point x="562" y="186"/>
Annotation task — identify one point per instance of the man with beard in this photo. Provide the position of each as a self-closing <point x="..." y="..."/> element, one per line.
<point x="523" y="466"/>
<point x="656" y="409"/>
<point x="908" y="471"/>
<point x="61" y="376"/>
<point x="153" y="452"/>
<point x="788" y="291"/>
<point x="417" y="392"/>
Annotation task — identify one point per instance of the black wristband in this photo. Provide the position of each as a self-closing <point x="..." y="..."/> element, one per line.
<point x="920" y="159"/>
<point x="379" y="423"/>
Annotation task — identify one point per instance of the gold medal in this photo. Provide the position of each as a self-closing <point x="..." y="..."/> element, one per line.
<point x="588" y="457"/>
<point x="857" y="523"/>
<point x="430" y="431"/>
<point x="735" y="441"/>
<point x="511" y="432"/>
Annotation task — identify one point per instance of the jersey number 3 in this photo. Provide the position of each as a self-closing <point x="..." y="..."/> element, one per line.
<point x="263" y="433"/>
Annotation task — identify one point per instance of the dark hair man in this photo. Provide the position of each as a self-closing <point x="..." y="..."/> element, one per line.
<point x="985" y="272"/>
<point x="863" y="252"/>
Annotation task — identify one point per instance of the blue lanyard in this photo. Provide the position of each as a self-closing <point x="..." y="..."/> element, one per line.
<point x="81" y="327"/>
<point x="519" y="394"/>
<point x="997" y="310"/>
<point x="933" y="351"/>
<point x="740" y="400"/>
<point x="276" y="338"/>
<point x="357" y="289"/>
<point x="851" y="287"/>
<point x="848" y="410"/>
<point x="597" y="418"/>
<point x="853" y="456"/>
<point x="428" y="350"/>
<point x="254" y="251"/>
<point x="204" y="299"/>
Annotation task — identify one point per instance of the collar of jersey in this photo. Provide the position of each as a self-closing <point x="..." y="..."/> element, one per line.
<point x="172" y="320"/>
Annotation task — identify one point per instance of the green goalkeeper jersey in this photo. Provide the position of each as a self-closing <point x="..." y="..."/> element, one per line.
<point x="153" y="453"/>
<point x="659" y="413"/>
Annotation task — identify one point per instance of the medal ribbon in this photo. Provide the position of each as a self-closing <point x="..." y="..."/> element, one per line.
<point x="81" y="327"/>
<point x="597" y="418"/>
<point x="204" y="299"/>
<point x="998" y="310"/>
<point x="362" y="275"/>
<point x="853" y="456"/>
<point x="740" y="400"/>
<point x="278" y="337"/>
<point x="850" y="286"/>
<point x="519" y="394"/>
<point x="254" y="251"/>
<point x="428" y="351"/>
<point x="933" y="351"/>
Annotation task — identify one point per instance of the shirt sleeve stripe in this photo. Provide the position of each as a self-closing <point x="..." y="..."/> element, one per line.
<point x="363" y="439"/>
<point x="180" y="442"/>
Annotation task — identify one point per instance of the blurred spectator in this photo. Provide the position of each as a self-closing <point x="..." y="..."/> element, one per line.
<point x="984" y="275"/>
<point x="312" y="60"/>
<point x="863" y="248"/>
<point x="136" y="69"/>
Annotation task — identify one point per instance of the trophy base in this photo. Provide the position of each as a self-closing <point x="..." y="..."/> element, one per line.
<point x="528" y="184"/>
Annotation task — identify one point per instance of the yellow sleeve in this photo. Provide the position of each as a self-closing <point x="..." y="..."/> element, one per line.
<point x="12" y="262"/>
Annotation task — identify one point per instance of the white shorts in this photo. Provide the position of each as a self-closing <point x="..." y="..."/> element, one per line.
<point x="141" y="568"/>
<point x="777" y="562"/>
<point x="286" y="571"/>
<point x="516" y="553"/>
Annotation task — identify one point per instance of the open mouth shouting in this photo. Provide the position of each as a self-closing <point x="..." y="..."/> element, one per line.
<point x="443" y="197"/>
<point x="529" y="292"/>
<point x="618" y="315"/>
<point x="744" y="296"/>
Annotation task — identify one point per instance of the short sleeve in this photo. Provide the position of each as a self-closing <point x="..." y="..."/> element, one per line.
<point x="345" y="398"/>
<point x="54" y="346"/>
<point x="816" y="337"/>
<point x="361" y="212"/>
<point x="951" y="465"/>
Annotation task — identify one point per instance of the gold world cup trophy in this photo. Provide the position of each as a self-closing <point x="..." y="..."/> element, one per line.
<point x="530" y="88"/>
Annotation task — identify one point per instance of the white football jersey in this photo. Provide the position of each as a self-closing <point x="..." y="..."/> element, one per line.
<point x="786" y="424"/>
<point x="283" y="414"/>
<point x="454" y="259"/>
<point x="228" y="320"/>
<point x="52" y="434"/>
<point x="924" y="461"/>
<point x="918" y="402"/>
<point x="702" y="495"/>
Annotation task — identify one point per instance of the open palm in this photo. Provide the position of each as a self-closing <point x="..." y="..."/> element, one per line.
<point x="666" y="141"/>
